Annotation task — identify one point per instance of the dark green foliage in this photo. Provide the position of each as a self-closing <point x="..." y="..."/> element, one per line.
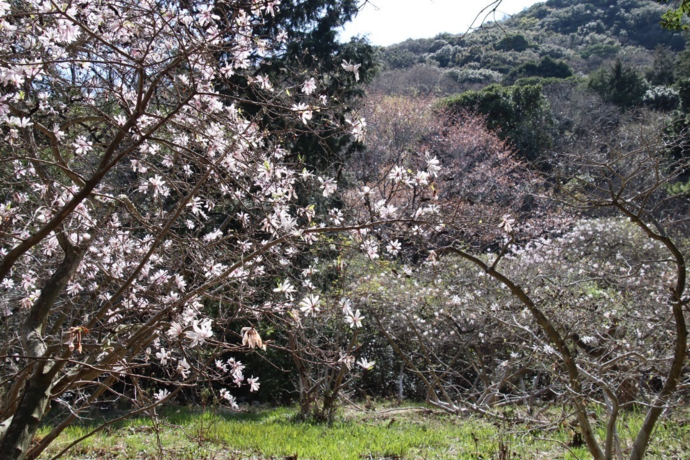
<point x="676" y="132"/>
<point x="546" y="68"/>
<point x="682" y="64"/>
<point x="500" y="61"/>
<point x="602" y="50"/>
<point x="683" y="86"/>
<point x="673" y="19"/>
<point x="635" y="22"/>
<point x="312" y="26"/>
<point x="570" y="16"/>
<point x="444" y="56"/>
<point x="662" y="98"/>
<point x="545" y="82"/>
<point x="581" y="34"/>
<point x="520" y="114"/>
<point x="323" y="151"/>
<point x="663" y="69"/>
<point x="513" y="43"/>
<point x="620" y="85"/>
<point x="437" y="45"/>
<point x="398" y="57"/>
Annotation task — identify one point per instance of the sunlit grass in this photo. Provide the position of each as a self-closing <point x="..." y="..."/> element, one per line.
<point x="186" y="434"/>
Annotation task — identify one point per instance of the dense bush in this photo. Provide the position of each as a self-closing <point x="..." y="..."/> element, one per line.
<point x="661" y="98"/>
<point x="519" y="114"/>
<point x="619" y="84"/>
<point x="663" y="68"/>
<point x="468" y="75"/>
<point x="546" y="68"/>
<point x="513" y="43"/>
<point x="398" y="57"/>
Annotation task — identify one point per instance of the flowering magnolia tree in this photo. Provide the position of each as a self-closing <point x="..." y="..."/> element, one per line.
<point x="139" y="196"/>
<point x="321" y="336"/>
<point x="588" y="311"/>
<point x="531" y="294"/>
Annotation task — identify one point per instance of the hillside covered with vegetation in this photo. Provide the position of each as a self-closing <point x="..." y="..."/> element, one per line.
<point x="535" y="74"/>
<point x="543" y="40"/>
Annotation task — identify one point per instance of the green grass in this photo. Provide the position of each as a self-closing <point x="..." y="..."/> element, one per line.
<point x="273" y="433"/>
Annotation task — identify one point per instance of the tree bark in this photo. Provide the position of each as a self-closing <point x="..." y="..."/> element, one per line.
<point x="678" y="303"/>
<point x="37" y="394"/>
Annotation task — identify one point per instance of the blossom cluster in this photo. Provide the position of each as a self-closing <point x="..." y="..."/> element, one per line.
<point x="130" y="162"/>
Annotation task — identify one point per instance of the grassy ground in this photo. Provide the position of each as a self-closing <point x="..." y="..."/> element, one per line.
<point x="387" y="433"/>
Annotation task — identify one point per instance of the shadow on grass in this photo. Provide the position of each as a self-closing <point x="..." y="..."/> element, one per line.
<point x="174" y="415"/>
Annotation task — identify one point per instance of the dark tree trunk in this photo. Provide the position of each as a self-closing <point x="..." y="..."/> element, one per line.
<point x="37" y="392"/>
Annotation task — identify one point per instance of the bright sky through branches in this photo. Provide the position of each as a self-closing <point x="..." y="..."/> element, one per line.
<point x="386" y="22"/>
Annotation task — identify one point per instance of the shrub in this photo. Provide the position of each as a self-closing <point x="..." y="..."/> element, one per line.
<point x="661" y="98"/>
<point x="513" y="43"/>
<point x="547" y="68"/>
<point x="621" y="85"/>
<point x="519" y="114"/>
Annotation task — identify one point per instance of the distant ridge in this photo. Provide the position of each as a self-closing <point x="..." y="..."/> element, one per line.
<point x="581" y="34"/>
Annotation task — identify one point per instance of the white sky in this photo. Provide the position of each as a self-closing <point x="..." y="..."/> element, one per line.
<point x="386" y="22"/>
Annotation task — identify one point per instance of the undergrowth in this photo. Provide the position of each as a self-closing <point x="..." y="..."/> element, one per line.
<point x="179" y="433"/>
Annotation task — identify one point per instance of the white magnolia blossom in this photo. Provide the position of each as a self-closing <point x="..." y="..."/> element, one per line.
<point x="251" y="338"/>
<point x="328" y="185"/>
<point x="253" y="384"/>
<point x="394" y="247"/>
<point x="158" y="186"/>
<point x="227" y="396"/>
<point x="264" y="82"/>
<point x="163" y="356"/>
<point x="161" y="394"/>
<point x="212" y="236"/>
<point x="304" y="111"/>
<point x="286" y="288"/>
<point x="371" y="248"/>
<point x="366" y="364"/>
<point x="309" y="86"/>
<point x="348" y="360"/>
<point x="433" y="165"/>
<point x="310" y="305"/>
<point x="358" y="128"/>
<point x="354" y="319"/>
<point x="201" y="330"/>
<point x="507" y="223"/>
<point x="82" y="145"/>
<point x="351" y="67"/>
<point x="183" y="368"/>
<point x="175" y="331"/>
